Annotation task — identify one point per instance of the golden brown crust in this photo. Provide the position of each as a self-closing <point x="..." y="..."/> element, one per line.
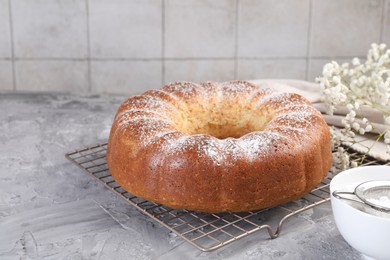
<point x="154" y="150"/>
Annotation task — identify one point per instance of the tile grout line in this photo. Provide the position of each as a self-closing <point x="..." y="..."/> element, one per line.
<point x="162" y="42"/>
<point x="236" y="41"/>
<point x="11" y="27"/>
<point x="308" y="42"/>
<point x="108" y="59"/>
<point x="383" y="20"/>
<point x="89" y="89"/>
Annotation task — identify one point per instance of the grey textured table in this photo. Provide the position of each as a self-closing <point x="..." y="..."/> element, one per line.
<point x="50" y="209"/>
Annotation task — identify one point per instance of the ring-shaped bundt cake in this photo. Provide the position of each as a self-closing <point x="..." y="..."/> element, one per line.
<point x="216" y="147"/>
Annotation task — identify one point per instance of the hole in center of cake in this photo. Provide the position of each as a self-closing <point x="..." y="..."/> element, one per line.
<point x="224" y="124"/>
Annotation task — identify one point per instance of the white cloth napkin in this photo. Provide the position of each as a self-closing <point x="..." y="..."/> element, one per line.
<point x="312" y="92"/>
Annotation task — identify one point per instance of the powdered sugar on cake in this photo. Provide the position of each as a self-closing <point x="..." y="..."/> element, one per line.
<point x="293" y="115"/>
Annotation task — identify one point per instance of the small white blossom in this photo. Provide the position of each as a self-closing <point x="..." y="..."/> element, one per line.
<point x="387" y="120"/>
<point x="356" y="126"/>
<point x="336" y="79"/>
<point x="355" y="61"/>
<point x="387" y="137"/>
<point x="354" y="164"/>
<point x="368" y="128"/>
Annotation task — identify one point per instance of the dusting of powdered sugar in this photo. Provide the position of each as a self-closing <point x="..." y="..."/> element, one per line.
<point x="212" y="151"/>
<point x="284" y="98"/>
<point x="235" y="88"/>
<point x="280" y="100"/>
<point x="297" y="119"/>
<point x="147" y="103"/>
<point x="259" y="144"/>
<point x="164" y="140"/>
<point x="180" y="145"/>
<point x="182" y="88"/>
<point x="231" y="151"/>
<point x="291" y="116"/>
<point x="126" y="119"/>
<point x="143" y="129"/>
<point x="202" y="145"/>
<point x="251" y="147"/>
<point x="288" y="109"/>
<point x="129" y="115"/>
<point x="144" y="108"/>
<point x="259" y="93"/>
<point x="293" y="133"/>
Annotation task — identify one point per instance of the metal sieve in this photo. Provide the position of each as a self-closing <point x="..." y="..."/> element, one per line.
<point x="372" y="193"/>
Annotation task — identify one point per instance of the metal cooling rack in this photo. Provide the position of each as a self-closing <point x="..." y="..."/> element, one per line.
<point x="205" y="231"/>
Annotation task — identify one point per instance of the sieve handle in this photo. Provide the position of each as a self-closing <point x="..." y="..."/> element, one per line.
<point x="336" y="194"/>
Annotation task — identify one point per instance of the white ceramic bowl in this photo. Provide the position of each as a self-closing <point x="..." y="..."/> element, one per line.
<point x="367" y="233"/>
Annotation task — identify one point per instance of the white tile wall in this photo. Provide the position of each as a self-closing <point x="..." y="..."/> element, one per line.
<point x="52" y="75"/>
<point x="50" y="29"/>
<point x="272" y="69"/>
<point x="200" y="28"/>
<point x="5" y="36"/>
<point x="345" y="28"/>
<point x="386" y="25"/>
<point x="129" y="46"/>
<point x="125" y="28"/>
<point x="199" y="70"/>
<point x="125" y="77"/>
<point x="6" y="83"/>
<point x="273" y="28"/>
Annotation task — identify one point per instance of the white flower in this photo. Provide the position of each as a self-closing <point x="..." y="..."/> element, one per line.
<point x="387" y="137"/>
<point x="368" y="128"/>
<point x="356" y="126"/>
<point x="387" y="120"/>
<point x="336" y="79"/>
<point x="351" y="114"/>
<point x="355" y="61"/>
